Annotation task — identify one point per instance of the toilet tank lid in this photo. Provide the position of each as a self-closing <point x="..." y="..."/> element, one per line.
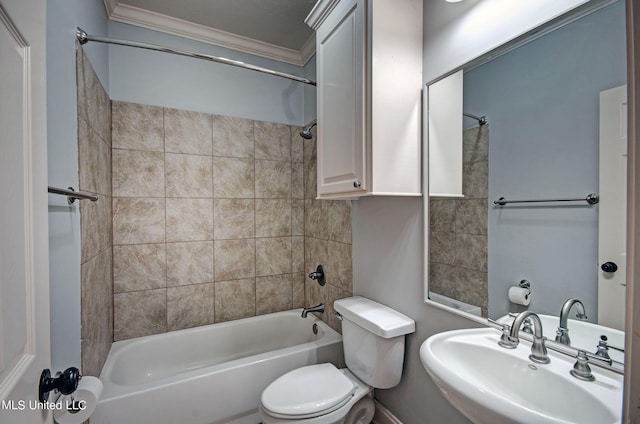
<point x="379" y="319"/>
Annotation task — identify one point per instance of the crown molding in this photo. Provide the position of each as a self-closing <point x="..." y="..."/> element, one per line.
<point x="320" y="12"/>
<point x="185" y="29"/>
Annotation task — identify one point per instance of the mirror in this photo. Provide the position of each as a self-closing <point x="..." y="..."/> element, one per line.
<point x="541" y="141"/>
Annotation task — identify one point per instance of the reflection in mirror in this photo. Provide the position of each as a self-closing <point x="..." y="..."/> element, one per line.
<point x="542" y="103"/>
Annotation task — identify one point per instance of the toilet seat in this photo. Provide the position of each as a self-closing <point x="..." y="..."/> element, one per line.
<point x="307" y="392"/>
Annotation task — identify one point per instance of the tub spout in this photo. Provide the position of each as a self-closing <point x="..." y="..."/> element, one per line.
<point x="317" y="308"/>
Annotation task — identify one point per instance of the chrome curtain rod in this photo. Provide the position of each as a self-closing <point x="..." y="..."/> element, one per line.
<point x="481" y="119"/>
<point x="591" y="199"/>
<point x="83" y="38"/>
<point x="72" y="194"/>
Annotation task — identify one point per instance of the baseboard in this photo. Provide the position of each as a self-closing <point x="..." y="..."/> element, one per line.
<point x="384" y="416"/>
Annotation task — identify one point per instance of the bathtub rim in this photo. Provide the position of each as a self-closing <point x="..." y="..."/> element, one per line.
<point x="113" y="390"/>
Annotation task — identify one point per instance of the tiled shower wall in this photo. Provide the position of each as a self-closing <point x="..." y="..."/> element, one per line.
<point x="94" y="163"/>
<point x="212" y="217"/>
<point x="458" y="229"/>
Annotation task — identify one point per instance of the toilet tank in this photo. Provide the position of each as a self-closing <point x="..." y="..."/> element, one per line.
<point x="373" y="340"/>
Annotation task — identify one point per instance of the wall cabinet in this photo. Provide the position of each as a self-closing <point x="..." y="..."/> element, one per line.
<point x="369" y="72"/>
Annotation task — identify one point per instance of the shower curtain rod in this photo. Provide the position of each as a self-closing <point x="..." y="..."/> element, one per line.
<point x="83" y="38"/>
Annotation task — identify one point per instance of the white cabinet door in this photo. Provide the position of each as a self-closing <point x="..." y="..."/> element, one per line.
<point x="24" y="267"/>
<point x="341" y="114"/>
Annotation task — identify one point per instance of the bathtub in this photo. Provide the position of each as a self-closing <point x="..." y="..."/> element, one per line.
<point x="209" y="374"/>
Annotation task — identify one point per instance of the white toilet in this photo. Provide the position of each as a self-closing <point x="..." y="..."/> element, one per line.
<point x="373" y="342"/>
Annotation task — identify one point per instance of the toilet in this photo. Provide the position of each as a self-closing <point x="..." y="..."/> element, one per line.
<point x="373" y="343"/>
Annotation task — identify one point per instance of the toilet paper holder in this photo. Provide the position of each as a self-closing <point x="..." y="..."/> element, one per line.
<point x="65" y="382"/>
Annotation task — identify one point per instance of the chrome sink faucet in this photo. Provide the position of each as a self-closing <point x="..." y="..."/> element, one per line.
<point x="317" y="308"/>
<point x="562" y="333"/>
<point x="538" y="349"/>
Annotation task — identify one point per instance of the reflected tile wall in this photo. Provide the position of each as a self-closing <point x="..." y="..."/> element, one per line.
<point x="458" y="229"/>
<point x="209" y="220"/>
<point x="94" y="166"/>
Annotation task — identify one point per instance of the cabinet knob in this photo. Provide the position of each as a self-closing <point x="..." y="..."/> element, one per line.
<point x="609" y="267"/>
<point x="356" y="184"/>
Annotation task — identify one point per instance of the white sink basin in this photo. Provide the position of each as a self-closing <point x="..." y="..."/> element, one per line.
<point x="493" y="385"/>
<point x="584" y="335"/>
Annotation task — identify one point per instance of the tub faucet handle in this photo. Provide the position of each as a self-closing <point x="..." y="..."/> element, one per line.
<point x="318" y="275"/>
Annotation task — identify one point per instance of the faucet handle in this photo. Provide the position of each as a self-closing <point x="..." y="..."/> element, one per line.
<point x="506" y="340"/>
<point x="581" y="369"/>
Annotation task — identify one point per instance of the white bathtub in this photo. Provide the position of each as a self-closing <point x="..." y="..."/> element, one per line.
<point x="209" y="374"/>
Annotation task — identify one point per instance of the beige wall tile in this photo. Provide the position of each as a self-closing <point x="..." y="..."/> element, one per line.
<point x="96" y="312"/>
<point x="442" y="279"/>
<point x="232" y="137"/>
<point x="272" y="141"/>
<point x="274" y="294"/>
<point x="338" y="268"/>
<point x="297" y="254"/>
<point x="138" y="173"/>
<point x="339" y="221"/>
<point x="273" y="179"/>
<point x="87" y="157"/>
<point x="471" y="251"/>
<point x="189" y="175"/>
<point x="273" y="218"/>
<point x="137" y="127"/>
<point x="187" y="132"/>
<point x="310" y="180"/>
<point x="442" y="248"/>
<point x="233" y="219"/>
<point x="297" y="180"/>
<point x="297" y="145"/>
<point x="316" y="218"/>
<point x="104" y="227"/>
<point x="472" y="216"/>
<point x="297" y="286"/>
<point x="137" y="220"/>
<point x="273" y="256"/>
<point x="139" y="267"/>
<point x="472" y="287"/>
<point x="297" y="217"/>
<point x="315" y="252"/>
<point x="189" y="219"/>
<point x="233" y="178"/>
<point x="189" y="263"/>
<point x="475" y="179"/>
<point x="442" y="215"/>
<point x="189" y="306"/>
<point x="235" y="299"/>
<point x="90" y="235"/>
<point x="140" y="313"/>
<point x="103" y="169"/>
<point x="234" y="259"/>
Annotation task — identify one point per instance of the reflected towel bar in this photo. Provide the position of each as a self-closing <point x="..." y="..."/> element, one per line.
<point x="591" y="199"/>
<point x="73" y="195"/>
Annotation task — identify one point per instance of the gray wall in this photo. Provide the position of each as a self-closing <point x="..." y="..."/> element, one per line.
<point x="63" y="16"/>
<point x="542" y="102"/>
<point x="160" y="79"/>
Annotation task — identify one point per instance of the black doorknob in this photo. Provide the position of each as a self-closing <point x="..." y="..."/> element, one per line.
<point x="609" y="267"/>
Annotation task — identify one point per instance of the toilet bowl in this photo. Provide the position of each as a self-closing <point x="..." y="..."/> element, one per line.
<point x="373" y="342"/>
<point x="317" y="394"/>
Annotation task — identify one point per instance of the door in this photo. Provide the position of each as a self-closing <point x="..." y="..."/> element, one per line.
<point x="341" y="135"/>
<point x="612" y="218"/>
<point x="24" y="264"/>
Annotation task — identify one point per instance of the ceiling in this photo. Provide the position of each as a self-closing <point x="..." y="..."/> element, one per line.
<point x="270" y="28"/>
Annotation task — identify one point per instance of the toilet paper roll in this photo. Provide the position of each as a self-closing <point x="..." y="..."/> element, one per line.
<point x="79" y="406"/>
<point x="519" y="295"/>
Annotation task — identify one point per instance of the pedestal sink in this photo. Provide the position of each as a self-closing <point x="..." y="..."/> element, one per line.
<point x="493" y="385"/>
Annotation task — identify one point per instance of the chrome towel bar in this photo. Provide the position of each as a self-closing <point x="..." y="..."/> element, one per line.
<point x="591" y="199"/>
<point x="73" y="195"/>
